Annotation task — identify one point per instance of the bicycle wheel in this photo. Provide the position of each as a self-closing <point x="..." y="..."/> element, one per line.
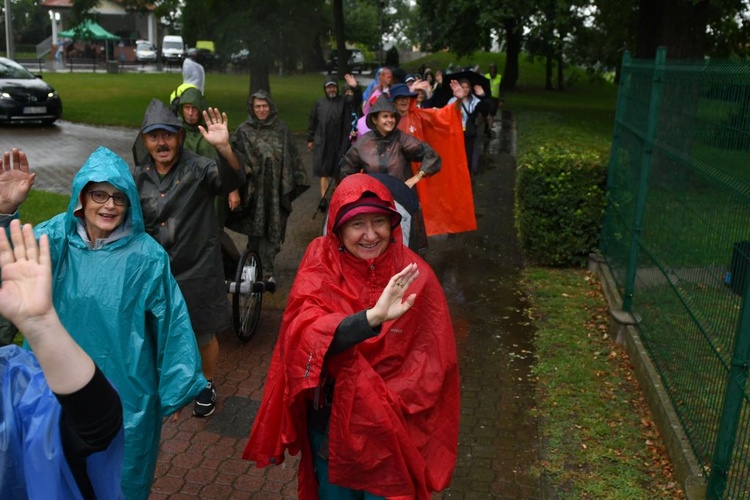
<point x="247" y="295"/>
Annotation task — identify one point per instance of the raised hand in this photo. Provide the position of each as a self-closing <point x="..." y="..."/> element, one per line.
<point x="26" y="300"/>
<point x="458" y="90"/>
<point x="26" y="287"/>
<point x="350" y="80"/>
<point x="391" y="303"/>
<point x="15" y="180"/>
<point x="217" y="128"/>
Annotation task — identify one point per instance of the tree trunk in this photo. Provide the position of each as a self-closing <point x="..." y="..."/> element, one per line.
<point x="650" y="14"/>
<point x="678" y="25"/>
<point x="684" y="29"/>
<point x="548" y="72"/>
<point x="560" y="63"/>
<point x="259" y="77"/>
<point x="338" y="26"/>
<point x="513" y="36"/>
<point x="314" y="58"/>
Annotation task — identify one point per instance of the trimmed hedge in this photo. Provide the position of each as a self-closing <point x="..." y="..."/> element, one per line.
<point x="560" y="201"/>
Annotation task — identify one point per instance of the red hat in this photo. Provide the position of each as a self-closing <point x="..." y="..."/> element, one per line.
<point x="367" y="204"/>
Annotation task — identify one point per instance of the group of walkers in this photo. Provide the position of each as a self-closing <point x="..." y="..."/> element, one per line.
<point x="364" y="378"/>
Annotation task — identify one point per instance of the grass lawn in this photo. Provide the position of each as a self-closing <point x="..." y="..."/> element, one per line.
<point x="598" y="440"/>
<point x="122" y="98"/>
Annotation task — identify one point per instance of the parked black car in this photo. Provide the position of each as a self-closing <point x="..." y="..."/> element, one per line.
<point x="25" y="97"/>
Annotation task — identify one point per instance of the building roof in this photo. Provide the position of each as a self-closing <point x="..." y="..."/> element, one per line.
<point x="104" y="7"/>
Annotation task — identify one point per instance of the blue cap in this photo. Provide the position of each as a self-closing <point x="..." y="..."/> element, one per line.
<point x="161" y="126"/>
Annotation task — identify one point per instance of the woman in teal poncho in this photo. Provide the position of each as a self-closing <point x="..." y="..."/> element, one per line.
<point x="113" y="289"/>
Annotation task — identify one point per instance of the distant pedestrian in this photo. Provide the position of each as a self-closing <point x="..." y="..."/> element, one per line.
<point x="328" y="132"/>
<point x="121" y="49"/>
<point x="193" y="72"/>
<point x="495" y="99"/>
<point x="59" y="54"/>
<point x="472" y="105"/>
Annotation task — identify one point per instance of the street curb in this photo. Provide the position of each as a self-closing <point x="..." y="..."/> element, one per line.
<point x="623" y="328"/>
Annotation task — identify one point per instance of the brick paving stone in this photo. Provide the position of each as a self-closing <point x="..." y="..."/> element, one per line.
<point x="205" y="437"/>
<point x="281" y="474"/>
<point x="235" y="466"/>
<point x="217" y="490"/>
<point x="249" y="483"/>
<point x="178" y="471"/>
<point x="188" y="460"/>
<point x="176" y="445"/>
<point x="191" y="489"/>
<point x="225" y="478"/>
<point x="201" y="475"/>
<point x="167" y="485"/>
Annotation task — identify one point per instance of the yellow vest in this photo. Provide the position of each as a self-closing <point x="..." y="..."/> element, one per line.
<point x="494" y="84"/>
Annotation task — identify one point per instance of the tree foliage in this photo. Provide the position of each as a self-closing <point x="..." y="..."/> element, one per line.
<point x="30" y="22"/>
<point x="464" y="26"/>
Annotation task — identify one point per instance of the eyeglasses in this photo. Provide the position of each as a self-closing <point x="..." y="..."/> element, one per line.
<point x="103" y="197"/>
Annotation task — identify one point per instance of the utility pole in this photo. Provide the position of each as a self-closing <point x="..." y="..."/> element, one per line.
<point x="8" y="31"/>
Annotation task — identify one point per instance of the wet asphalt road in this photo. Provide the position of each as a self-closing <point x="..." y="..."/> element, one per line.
<point x="479" y="272"/>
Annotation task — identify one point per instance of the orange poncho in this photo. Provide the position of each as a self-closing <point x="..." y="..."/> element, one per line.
<point x="447" y="198"/>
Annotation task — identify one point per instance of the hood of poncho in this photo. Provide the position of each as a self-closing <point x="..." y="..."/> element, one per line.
<point x="105" y="166"/>
<point x="272" y="115"/>
<point x="158" y="113"/>
<point x="193" y="96"/>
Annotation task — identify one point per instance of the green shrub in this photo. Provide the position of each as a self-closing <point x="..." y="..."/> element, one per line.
<point x="560" y="200"/>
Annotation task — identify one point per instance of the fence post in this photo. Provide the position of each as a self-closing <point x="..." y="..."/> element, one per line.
<point x="646" y="160"/>
<point x="622" y="92"/>
<point x="734" y="395"/>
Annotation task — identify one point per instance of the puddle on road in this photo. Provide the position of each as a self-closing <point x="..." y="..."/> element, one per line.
<point x="480" y="272"/>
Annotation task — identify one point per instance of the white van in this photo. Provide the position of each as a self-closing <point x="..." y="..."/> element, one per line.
<point x="172" y="49"/>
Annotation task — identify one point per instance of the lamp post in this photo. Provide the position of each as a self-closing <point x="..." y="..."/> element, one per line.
<point x="54" y="18"/>
<point x="10" y="52"/>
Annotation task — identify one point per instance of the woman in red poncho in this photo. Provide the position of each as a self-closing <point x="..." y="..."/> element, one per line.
<point x="364" y="377"/>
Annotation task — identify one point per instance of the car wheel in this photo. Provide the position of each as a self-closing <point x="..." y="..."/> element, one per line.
<point x="49" y="121"/>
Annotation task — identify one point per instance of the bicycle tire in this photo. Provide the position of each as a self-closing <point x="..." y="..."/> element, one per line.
<point x="246" y="306"/>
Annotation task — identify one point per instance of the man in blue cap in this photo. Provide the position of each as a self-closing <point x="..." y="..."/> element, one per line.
<point x="177" y="189"/>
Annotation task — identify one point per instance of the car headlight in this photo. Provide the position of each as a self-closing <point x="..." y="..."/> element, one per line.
<point x="4" y="95"/>
<point x="52" y="95"/>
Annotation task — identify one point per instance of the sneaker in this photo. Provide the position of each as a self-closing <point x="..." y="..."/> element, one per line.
<point x="271" y="284"/>
<point x="205" y="402"/>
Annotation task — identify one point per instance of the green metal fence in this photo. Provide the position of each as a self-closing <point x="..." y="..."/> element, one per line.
<point x="677" y="239"/>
